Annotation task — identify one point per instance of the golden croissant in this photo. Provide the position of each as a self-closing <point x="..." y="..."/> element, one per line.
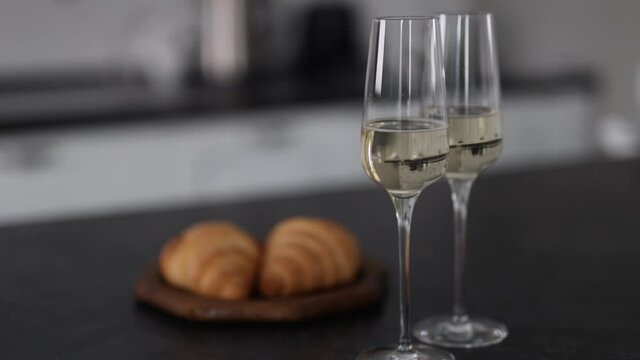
<point x="308" y="254"/>
<point x="214" y="259"/>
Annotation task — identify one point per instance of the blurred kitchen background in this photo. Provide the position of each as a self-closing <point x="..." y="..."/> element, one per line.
<point x="125" y="105"/>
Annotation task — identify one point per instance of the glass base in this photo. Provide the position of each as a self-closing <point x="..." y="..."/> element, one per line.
<point x="391" y="353"/>
<point x="466" y="333"/>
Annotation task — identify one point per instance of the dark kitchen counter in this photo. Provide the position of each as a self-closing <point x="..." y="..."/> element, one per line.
<point x="85" y="99"/>
<point x="553" y="253"/>
<point x="37" y="104"/>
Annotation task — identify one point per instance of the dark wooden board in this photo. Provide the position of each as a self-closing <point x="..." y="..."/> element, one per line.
<point x="366" y="290"/>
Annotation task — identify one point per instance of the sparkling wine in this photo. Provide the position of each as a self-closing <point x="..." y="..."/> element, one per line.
<point x="475" y="140"/>
<point x="404" y="156"/>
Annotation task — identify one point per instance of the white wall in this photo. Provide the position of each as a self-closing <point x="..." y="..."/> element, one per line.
<point x="545" y="36"/>
<point x="36" y="35"/>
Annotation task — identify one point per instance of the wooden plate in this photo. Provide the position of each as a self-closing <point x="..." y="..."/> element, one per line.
<point x="365" y="290"/>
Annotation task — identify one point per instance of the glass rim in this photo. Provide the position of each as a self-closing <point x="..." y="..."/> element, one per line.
<point x="478" y="13"/>
<point x="406" y="17"/>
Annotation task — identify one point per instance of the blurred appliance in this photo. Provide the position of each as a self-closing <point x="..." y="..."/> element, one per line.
<point x="328" y="43"/>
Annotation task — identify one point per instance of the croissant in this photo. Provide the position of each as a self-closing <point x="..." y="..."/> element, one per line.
<point x="214" y="259"/>
<point x="307" y="254"/>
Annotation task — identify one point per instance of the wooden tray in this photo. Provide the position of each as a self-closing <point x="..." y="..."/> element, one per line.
<point x="365" y="290"/>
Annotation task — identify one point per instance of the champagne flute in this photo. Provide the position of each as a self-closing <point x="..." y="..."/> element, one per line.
<point x="404" y="150"/>
<point x="475" y="140"/>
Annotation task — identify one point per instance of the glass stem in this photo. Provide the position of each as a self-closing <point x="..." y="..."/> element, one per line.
<point x="460" y="190"/>
<point x="404" y="211"/>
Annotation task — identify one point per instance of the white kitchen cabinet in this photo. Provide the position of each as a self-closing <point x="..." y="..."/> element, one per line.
<point x="61" y="173"/>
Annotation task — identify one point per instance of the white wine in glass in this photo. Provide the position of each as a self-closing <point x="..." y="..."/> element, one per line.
<point x="402" y="149"/>
<point x="475" y="140"/>
<point x="404" y="156"/>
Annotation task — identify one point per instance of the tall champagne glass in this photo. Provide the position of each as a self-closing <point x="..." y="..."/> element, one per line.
<point x="404" y="149"/>
<point x="475" y="140"/>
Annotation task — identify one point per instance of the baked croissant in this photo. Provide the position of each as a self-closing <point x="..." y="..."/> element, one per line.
<point x="307" y="254"/>
<point x="214" y="259"/>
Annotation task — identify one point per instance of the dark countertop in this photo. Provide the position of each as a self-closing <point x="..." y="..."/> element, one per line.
<point x="41" y="104"/>
<point x="81" y="99"/>
<point x="553" y="253"/>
